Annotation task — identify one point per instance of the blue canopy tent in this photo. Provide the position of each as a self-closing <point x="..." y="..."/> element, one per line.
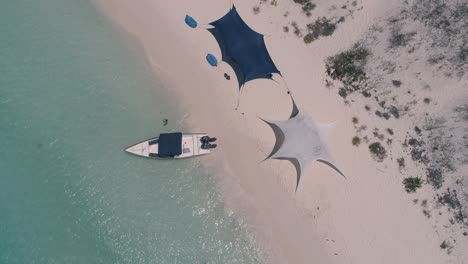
<point x="242" y="48"/>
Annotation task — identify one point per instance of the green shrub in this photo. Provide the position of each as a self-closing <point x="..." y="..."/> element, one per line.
<point x="412" y="184"/>
<point x="348" y="67"/>
<point x="256" y="10"/>
<point x="378" y="151"/>
<point x="396" y="83"/>
<point x="356" y="141"/>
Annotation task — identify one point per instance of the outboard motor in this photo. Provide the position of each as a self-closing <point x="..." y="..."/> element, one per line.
<point x="205" y="145"/>
<point x="206" y="139"/>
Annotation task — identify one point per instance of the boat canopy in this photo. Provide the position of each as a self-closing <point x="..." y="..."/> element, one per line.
<point x="242" y="48"/>
<point x="170" y="144"/>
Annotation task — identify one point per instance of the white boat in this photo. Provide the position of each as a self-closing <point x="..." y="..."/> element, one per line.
<point x="173" y="145"/>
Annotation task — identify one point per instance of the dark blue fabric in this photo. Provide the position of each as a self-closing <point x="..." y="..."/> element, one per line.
<point x="170" y="144"/>
<point x="242" y="48"/>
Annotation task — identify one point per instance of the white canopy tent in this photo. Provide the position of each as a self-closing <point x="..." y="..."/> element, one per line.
<point x="301" y="141"/>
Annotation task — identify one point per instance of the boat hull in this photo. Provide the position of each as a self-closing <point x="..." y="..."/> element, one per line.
<point x="191" y="147"/>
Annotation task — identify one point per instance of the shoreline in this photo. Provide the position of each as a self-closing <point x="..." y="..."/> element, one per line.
<point x="328" y="220"/>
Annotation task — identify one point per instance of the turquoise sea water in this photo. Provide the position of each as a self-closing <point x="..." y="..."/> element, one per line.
<point x="73" y="95"/>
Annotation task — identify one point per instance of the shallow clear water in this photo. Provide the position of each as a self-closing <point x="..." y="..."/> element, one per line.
<point x="72" y="97"/>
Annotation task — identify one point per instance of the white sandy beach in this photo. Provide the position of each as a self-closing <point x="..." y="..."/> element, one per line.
<point x="366" y="218"/>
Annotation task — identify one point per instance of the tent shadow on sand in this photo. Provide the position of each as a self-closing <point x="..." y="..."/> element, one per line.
<point x="286" y="148"/>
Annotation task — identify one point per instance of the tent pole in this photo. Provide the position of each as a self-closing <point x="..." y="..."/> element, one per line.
<point x="285" y="85"/>
<point x="238" y="96"/>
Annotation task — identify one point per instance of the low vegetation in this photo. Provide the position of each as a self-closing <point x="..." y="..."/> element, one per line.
<point x="446" y="21"/>
<point x="449" y="198"/>
<point x="356" y="141"/>
<point x="424" y="203"/>
<point x="312" y="30"/>
<point x="401" y="163"/>
<point x="399" y="39"/>
<point x="379" y="136"/>
<point x="307" y="6"/>
<point x="434" y="177"/>
<point x="322" y="27"/>
<point x="256" y="10"/>
<point x="435" y="149"/>
<point x="396" y="83"/>
<point x="378" y="151"/>
<point x="297" y="31"/>
<point x="349" y="68"/>
<point x="417" y="130"/>
<point x="462" y="111"/>
<point x="445" y="245"/>
<point x="426" y="213"/>
<point x="412" y="184"/>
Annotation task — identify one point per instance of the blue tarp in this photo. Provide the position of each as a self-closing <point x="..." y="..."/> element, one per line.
<point x="190" y="21"/>
<point x="212" y="60"/>
<point x="170" y="144"/>
<point x="242" y="48"/>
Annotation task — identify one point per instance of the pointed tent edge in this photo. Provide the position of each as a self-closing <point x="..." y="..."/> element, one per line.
<point x="278" y="143"/>
<point x="294" y="112"/>
<point x="235" y="9"/>
<point x="278" y="134"/>
<point x="295" y="109"/>
<point x="298" y="167"/>
<point x="267" y="76"/>
<point x="277" y="146"/>
<point x="332" y="166"/>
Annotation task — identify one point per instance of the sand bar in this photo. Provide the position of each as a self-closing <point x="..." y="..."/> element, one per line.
<point x="366" y="218"/>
